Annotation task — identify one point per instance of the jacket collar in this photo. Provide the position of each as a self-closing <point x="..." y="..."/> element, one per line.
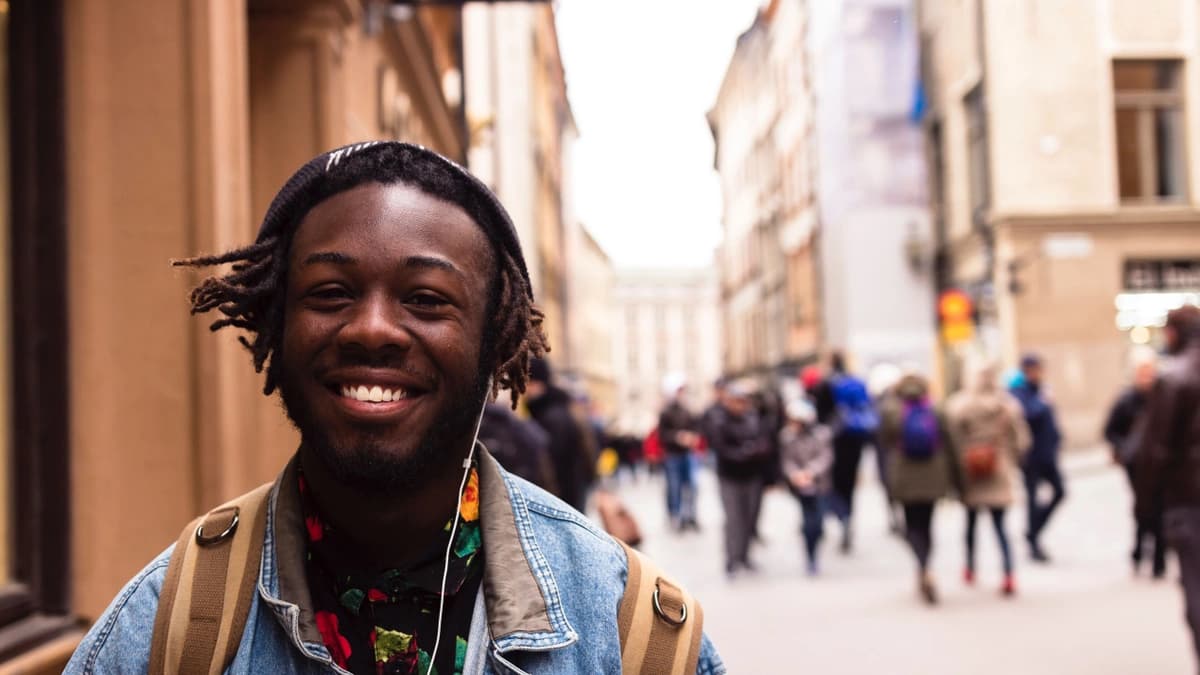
<point x="521" y="597"/>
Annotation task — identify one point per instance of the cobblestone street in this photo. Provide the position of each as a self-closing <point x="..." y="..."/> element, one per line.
<point x="1083" y="614"/>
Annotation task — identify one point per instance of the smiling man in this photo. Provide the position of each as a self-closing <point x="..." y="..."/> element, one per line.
<point x="386" y="298"/>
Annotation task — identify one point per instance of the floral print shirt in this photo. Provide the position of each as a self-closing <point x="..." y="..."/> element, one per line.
<point x="385" y="621"/>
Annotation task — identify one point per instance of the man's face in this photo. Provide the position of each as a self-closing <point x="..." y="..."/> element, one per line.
<point x="534" y="389"/>
<point x="737" y="404"/>
<point x="386" y="294"/>
<point x="1033" y="373"/>
<point x="1143" y="376"/>
<point x="1171" y="338"/>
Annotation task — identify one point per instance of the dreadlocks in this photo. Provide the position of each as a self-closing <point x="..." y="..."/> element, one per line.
<point x="250" y="296"/>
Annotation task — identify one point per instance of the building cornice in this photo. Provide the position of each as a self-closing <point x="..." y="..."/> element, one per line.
<point x="1144" y="215"/>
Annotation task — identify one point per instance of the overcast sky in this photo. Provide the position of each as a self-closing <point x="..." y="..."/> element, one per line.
<point x="641" y="74"/>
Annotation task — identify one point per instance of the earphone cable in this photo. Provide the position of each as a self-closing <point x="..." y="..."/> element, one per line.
<point x="453" y="529"/>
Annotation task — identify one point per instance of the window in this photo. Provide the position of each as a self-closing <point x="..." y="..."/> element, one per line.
<point x="1149" y="121"/>
<point x="977" y="156"/>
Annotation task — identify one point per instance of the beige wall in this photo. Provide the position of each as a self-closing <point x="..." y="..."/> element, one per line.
<point x="593" y="308"/>
<point x="148" y="180"/>
<point x="1047" y="121"/>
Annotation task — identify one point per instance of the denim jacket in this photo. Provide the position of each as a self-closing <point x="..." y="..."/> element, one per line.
<point x="548" y="602"/>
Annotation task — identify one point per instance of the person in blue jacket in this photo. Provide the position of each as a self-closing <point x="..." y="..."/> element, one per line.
<point x="1041" y="464"/>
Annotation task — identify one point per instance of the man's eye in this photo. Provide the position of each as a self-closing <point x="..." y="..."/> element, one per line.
<point x="426" y="300"/>
<point x="329" y="293"/>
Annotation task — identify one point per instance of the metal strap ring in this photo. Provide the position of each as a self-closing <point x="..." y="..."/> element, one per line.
<point x="659" y="610"/>
<point x="207" y="540"/>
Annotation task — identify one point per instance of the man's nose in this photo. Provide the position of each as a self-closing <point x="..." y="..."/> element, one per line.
<point x="377" y="324"/>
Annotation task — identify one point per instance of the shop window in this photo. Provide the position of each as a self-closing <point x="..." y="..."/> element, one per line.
<point x="1148" y="97"/>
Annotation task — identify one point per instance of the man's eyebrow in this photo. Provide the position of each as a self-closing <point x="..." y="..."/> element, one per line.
<point x="430" y="262"/>
<point x="329" y="257"/>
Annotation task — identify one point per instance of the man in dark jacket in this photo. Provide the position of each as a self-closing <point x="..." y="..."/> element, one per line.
<point x="1119" y="432"/>
<point x="736" y="438"/>
<point x="1167" y="459"/>
<point x="678" y="430"/>
<point x="570" y="442"/>
<point x="1041" y="464"/>
<point x="520" y="446"/>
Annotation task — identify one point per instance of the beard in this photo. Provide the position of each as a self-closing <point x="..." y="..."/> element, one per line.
<point x="366" y="462"/>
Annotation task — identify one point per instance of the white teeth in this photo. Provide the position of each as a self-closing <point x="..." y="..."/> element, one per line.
<point x="376" y="394"/>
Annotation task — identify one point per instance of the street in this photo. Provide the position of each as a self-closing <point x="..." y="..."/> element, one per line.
<point x="1083" y="614"/>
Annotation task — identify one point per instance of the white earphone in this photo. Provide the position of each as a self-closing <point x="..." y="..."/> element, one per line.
<point x="454" y="527"/>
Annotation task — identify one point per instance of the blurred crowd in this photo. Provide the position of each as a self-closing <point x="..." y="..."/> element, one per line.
<point x="994" y="441"/>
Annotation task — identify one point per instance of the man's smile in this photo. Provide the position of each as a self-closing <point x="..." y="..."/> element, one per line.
<point x="373" y="394"/>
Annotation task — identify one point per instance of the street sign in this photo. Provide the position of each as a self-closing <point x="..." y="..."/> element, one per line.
<point x="956" y="312"/>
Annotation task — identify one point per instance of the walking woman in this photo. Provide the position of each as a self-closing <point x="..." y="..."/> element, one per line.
<point x="806" y="458"/>
<point x="990" y="437"/>
<point x="923" y="467"/>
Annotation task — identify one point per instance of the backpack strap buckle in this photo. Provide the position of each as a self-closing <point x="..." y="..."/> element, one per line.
<point x="673" y="597"/>
<point x="226" y="517"/>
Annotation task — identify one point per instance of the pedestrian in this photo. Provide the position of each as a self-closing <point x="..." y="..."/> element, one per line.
<point x="736" y="439"/>
<point x="679" y="434"/>
<point x="923" y="466"/>
<point x="1167" y="458"/>
<point x="570" y="438"/>
<point x="1041" y="464"/>
<point x="881" y="385"/>
<point x="1118" y="431"/>
<point x="806" y="457"/>
<point x="768" y="405"/>
<point x="990" y="437"/>
<point x="854" y="421"/>
<point x="386" y="298"/>
<point x="629" y="454"/>
<point x="520" y="446"/>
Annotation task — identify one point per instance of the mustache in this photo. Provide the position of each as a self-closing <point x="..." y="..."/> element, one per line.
<point x="383" y="360"/>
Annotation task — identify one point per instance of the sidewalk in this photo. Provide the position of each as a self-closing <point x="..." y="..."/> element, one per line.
<point x="1083" y="614"/>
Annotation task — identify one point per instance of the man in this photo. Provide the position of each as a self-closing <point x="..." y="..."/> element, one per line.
<point x="1118" y="431"/>
<point x="386" y="297"/>
<point x="678" y="431"/>
<point x="735" y="436"/>
<point x="571" y="442"/>
<point x="1167" y="458"/>
<point x="847" y="407"/>
<point x="1041" y="464"/>
<point x="520" y="446"/>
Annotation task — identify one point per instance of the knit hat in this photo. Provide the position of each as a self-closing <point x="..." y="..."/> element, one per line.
<point x="319" y="179"/>
<point x="540" y="371"/>
<point x="800" y="410"/>
<point x="1030" y="360"/>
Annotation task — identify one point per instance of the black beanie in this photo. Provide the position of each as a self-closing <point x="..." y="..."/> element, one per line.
<point x="317" y="181"/>
<point x="539" y="370"/>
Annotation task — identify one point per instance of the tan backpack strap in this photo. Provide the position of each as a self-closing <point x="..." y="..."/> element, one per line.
<point x="210" y="581"/>
<point x="660" y="625"/>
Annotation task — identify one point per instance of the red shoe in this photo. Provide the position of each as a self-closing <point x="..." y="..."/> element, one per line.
<point x="969" y="576"/>
<point x="1009" y="588"/>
